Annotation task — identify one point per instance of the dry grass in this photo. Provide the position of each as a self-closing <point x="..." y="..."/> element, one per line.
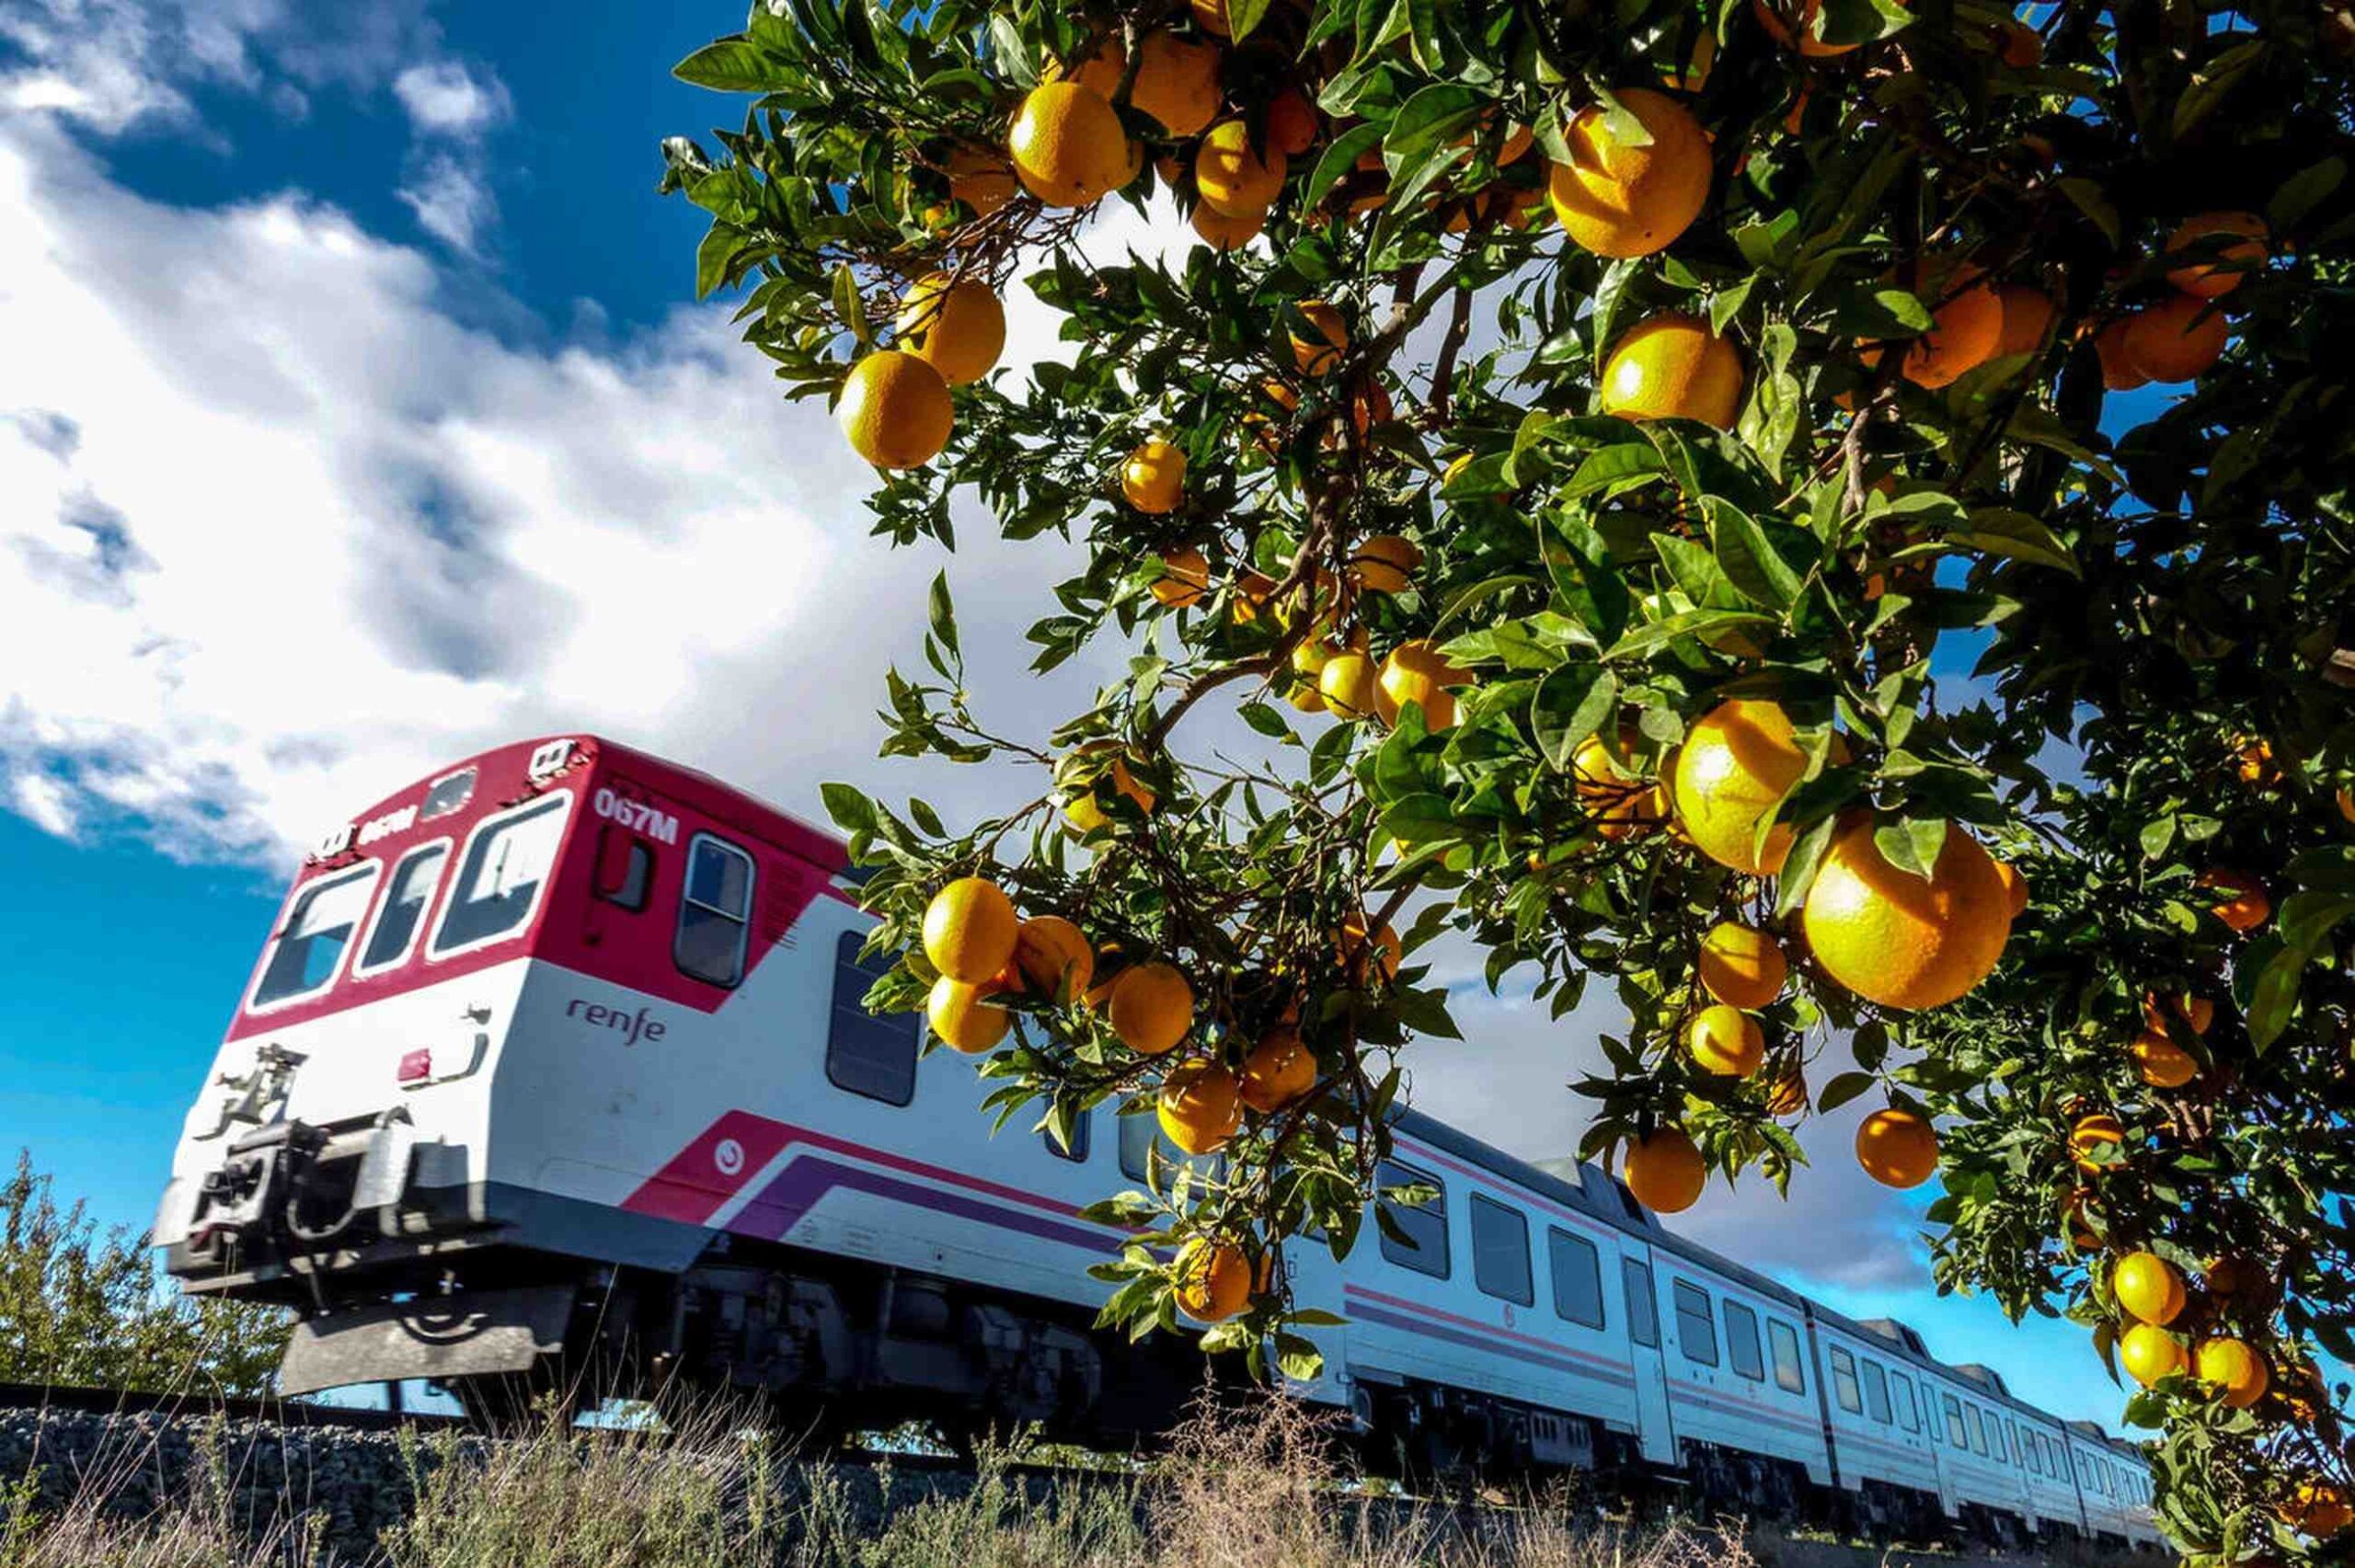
<point x="1254" y="1487"/>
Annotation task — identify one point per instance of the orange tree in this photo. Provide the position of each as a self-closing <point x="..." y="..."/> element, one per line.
<point x="1663" y="486"/>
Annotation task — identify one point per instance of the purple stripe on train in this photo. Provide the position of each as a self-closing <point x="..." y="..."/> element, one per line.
<point x="795" y="1191"/>
<point x="1479" y="1342"/>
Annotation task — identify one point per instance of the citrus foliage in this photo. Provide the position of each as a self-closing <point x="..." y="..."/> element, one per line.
<point x="1663" y="482"/>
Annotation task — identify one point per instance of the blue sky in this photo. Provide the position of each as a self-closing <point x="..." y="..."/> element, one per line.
<point x="355" y="417"/>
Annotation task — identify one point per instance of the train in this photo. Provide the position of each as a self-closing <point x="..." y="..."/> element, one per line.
<point x="553" y="1074"/>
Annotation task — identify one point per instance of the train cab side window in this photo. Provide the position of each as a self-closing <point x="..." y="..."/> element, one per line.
<point x="1076" y="1149"/>
<point x="1577" y="1269"/>
<point x="1415" y="1235"/>
<point x="1741" y="1343"/>
<point x="872" y="1054"/>
<point x="1956" y="1437"/>
<point x="1844" y="1381"/>
<point x="1791" y="1372"/>
<point x="1696" y="1326"/>
<point x="624" y="867"/>
<point x="308" y="950"/>
<point x="401" y="912"/>
<point x="1901" y="1387"/>
<point x="1500" y="1251"/>
<point x="506" y="864"/>
<point x="1877" y="1393"/>
<point x="715" y="912"/>
<point x="1643" y="1309"/>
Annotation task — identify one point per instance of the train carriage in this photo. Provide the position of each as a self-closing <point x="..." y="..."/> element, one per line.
<point x="553" y="1074"/>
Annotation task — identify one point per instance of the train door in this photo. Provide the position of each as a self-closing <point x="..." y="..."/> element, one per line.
<point x="1654" y="1426"/>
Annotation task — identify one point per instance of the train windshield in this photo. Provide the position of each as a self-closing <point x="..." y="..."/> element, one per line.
<point x="308" y="949"/>
<point x="506" y="865"/>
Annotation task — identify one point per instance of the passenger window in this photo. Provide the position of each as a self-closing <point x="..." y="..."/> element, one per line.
<point x="1741" y="1343"/>
<point x="309" y="947"/>
<point x="1696" y="1329"/>
<point x="1421" y="1242"/>
<point x="402" y="911"/>
<point x="1791" y="1372"/>
<point x="1500" y="1251"/>
<point x="1978" y="1429"/>
<point x="1995" y="1439"/>
<point x="1956" y="1437"/>
<point x="507" y="863"/>
<point x="1577" y="1269"/>
<point x="1076" y="1149"/>
<point x="1844" y="1381"/>
<point x="1876" y="1392"/>
<point x="1643" y="1311"/>
<point x="715" y="912"/>
<point x="873" y="1054"/>
<point x="624" y="869"/>
<point x="1907" y="1416"/>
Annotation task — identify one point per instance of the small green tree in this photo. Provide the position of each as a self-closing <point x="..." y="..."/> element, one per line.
<point x="85" y="1308"/>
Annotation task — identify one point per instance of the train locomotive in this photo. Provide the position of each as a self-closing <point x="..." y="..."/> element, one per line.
<point x="553" y="1076"/>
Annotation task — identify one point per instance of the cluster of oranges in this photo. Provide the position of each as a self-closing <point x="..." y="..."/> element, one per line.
<point x="2151" y="1294"/>
<point x="981" y="949"/>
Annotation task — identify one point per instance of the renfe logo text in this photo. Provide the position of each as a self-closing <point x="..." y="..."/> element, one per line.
<point x="635" y="1026"/>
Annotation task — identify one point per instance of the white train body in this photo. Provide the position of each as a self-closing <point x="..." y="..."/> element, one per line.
<point x="555" y="1065"/>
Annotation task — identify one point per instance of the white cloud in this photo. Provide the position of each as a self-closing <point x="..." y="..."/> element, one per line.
<point x="450" y="200"/>
<point x="444" y="99"/>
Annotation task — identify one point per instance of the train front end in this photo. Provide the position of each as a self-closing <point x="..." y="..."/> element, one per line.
<point x="339" y="1154"/>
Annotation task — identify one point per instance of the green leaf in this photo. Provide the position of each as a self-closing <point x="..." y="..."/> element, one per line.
<point x="1436" y="115"/>
<point x="1748" y="558"/>
<point x="1841" y="1089"/>
<point x="849" y="305"/>
<point x="1999" y="531"/>
<point x="1243" y="17"/>
<point x="1298" y="1358"/>
<point x="1800" y="865"/>
<point x="730" y="65"/>
<point x="850" y="810"/>
<point x="1912" y="843"/>
<point x="1265" y="719"/>
<point x="943" y="612"/>
<point x="1339" y="160"/>
<point x="1569" y="704"/>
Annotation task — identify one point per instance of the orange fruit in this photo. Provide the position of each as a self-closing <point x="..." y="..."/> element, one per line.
<point x="2242" y="904"/>
<point x="1233" y="177"/>
<point x="1416" y="672"/>
<point x="2015" y="887"/>
<point x="2214" y="278"/>
<point x="970" y="929"/>
<point x="1726" y="1041"/>
<point x="1617" y="199"/>
<point x="1673" y="366"/>
<point x="1385" y="950"/>
<point x="1213" y="1280"/>
<point x="2149" y="1353"/>
<point x="1617" y="803"/>
<point x="1382" y="562"/>
<point x="2119" y="372"/>
<point x="1319" y="358"/>
<point x="1052" y="959"/>
<point x="982" y="181"/>
<point x="1966" y="329"/>
<point x="2195" y="1011"/>
<point x="1083" y="810"/>
<point x="2028" y="317"/>
<point x="1804" y="24"/>
<point x="1198" y="1108"/>
<point x="2089" y="1136"/>
<point x="2347" y="804"/>
<point x="895" y="409"/>
<point x="1224" y="233"/>
<point x="1292" y="123"/>
<point x="1788" y="1097"/>
<point x="1741" y="966"/>
<point x="1664" y="1172"/>
<point x="1178" y="81"/>
<point x="2161" y="1063"/>
<point x="2177" y="338"/>
<point x="1347" y="683"/>
<point x="1099" y="71"/>
<point x="1151" y="1008"/>
<point x="1185" y="576"/>
<point x="1211" y="17"/>
<point x="2237" y="1371"/>
<point x="1900" y="940"/>
<point x="961" y="1020"/>
<point x="1278" y="1070"/>
<point x="2318" y="1509"/>
<point x="2147" y="1287"/>
<point x="1068" y="147"/>
<point x="1153" y="478"/>
<point x="958" y="329"/>
<point x="1737" y="762"/>
<point x="2018" y="45"/>
<point x="1896" y="1148"/>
